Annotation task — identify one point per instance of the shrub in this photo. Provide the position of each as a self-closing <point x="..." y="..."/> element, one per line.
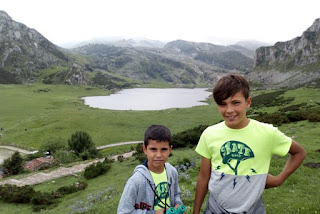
<point x="15" y="194"/>
<point x="64" y="157"/>
<point x="65" y="190"/>
<point x="314" y="117"/>
<point x="275" y="118"/>
<point x="53" y="145"/>
<point x="42" y="200"/>
<point x="82" y="144"/>
<point x="297" y="116"/>
<point x="94" y="170"/>
<point x="139" y="154"/>
<point x="188" y="138"/>
<point x="13" y="165"/>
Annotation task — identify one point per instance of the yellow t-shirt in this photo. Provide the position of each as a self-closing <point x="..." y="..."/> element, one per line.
<point x="161" y="189"/>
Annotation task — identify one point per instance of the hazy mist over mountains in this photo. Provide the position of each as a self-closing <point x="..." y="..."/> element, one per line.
<point x="145" y="42"/>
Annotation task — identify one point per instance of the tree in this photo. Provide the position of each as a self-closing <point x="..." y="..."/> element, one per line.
<point x="82" y="144"/>
<point x="13" y="165"/>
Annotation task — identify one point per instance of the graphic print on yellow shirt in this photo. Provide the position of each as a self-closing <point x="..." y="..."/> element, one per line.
<point x="161" y="190"/>
<point x="232" y="154"/>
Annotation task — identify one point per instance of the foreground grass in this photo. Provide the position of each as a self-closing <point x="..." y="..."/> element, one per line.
<point x="299" y="194"/>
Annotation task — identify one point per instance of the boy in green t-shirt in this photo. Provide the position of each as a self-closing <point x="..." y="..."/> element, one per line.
<point x="236" y="154"/>
<point x="154" y="186"/>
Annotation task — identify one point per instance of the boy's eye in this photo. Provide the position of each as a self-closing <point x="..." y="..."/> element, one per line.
<point x="164" y="149"/>
<point x="236" y="102"/>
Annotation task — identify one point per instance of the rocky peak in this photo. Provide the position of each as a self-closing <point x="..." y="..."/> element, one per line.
<point x="23" y="50"/>
<point x="300" y="51"/>
<point x="4" y="15"/>
<point x="315" y="27"/>
<point x="289" y="64"/>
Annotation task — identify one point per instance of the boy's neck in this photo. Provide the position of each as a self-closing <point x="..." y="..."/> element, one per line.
<point x="244" y="124"/>
<point x="157" y="171"/>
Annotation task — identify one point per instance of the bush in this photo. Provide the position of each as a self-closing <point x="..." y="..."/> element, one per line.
<point x="314" y="117"/>
<point x="188" y="138"/>
<point x="64" y="157"/>
<point x="297" y="116"/>
<point x="15" y="194"/>
<point x="53" y="145"/>
<point x="42" y="200"/>
<point x="65" y="190"/>
<point x="82" y="144"/>
<point x="139" y="154"/>
<point x="94" y="170"/>
<point x="13" y="165"/>
<point x="275" y="118"/>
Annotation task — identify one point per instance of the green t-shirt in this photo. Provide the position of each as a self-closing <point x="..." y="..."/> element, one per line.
<point x="161" y="189"/>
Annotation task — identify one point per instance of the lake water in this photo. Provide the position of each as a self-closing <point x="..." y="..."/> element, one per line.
<point x="150" y="99"/>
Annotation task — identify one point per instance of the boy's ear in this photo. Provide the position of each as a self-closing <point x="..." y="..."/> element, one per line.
<point x="144" y="149"/>
<point x="249" y="102"/>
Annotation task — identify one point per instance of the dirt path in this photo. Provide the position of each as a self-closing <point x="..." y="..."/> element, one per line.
<point x="60" y="172"/>
<point x="23" y="151"/>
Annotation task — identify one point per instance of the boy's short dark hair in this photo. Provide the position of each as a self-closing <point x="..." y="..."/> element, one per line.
<point x="228" y="86"/>
<point x="157" y="132"/>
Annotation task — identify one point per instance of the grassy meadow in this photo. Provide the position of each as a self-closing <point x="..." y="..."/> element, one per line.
<point x="48" y="111"/>
<point x="60" y="112"/>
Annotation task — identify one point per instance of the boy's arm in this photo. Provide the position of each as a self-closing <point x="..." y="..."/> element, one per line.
<point x="202" y="184"/>
<point x="297" y="155"/>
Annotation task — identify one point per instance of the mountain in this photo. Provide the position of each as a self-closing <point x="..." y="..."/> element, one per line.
<point x="27" y="56"/>
<point x="226" y="57"/>
<point x="289" y="64"/>
<point x="24" y="51"/>
<point x="149" y="64"/>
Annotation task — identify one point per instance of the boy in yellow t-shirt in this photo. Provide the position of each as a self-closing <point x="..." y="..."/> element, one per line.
<point x="236" y="154"/>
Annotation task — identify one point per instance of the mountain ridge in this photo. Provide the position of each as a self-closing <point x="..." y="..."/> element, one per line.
<point x="291" y="63"/>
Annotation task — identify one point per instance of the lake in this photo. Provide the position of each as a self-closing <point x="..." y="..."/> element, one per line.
<point x="150" y="99"/>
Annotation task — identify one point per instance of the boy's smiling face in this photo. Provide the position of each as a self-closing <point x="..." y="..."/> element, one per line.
<point x="157" y="154"/>
<point x="234" y="110"/>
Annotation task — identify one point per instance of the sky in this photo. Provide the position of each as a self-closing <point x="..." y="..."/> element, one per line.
<point x="220" y="22"/>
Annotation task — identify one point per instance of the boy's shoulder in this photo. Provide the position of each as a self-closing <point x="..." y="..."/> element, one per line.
<point x="259" y="124"/>
<point x="216" y="126"/>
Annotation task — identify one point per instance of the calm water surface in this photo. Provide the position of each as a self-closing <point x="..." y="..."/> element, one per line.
<point x="150" y="99"/>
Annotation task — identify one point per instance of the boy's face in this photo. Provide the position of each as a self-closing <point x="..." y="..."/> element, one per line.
<point x="157" y="154"/>
<point x="234" y="111"/>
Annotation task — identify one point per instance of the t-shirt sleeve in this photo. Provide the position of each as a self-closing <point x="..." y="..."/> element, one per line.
<point x="282" y="143"/>
<point x="202" y="148"/>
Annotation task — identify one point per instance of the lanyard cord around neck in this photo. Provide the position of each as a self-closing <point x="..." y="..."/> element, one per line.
<point x="165" y="201"/>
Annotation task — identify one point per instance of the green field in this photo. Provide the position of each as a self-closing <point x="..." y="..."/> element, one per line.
<point x="60" y="112"/>
<point x="48" y="111"/>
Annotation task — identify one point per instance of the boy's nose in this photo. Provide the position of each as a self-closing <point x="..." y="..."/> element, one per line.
<point x="229" y="108"/>
<point x="158" y="154"/>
